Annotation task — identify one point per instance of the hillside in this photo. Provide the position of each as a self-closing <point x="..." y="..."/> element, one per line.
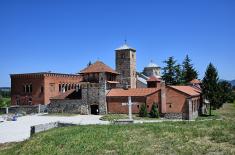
<point x="232" y="82"/>
<point x="202" y="136"/>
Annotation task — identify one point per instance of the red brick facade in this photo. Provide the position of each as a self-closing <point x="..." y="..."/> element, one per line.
<point x="119" y="104"/>
<point x="38" y="88"/>
<point x="176" y="101"/>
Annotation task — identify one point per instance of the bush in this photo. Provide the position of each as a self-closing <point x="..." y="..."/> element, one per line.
<point x="154" y="111"/>
<point x="143" y="111"/>
<point x="2" y="103"/>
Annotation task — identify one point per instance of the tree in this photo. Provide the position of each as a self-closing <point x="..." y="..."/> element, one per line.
<point x="89" y="63"/>
<point x="2" y="103"/>
<point x="210" y="87"/>
<point x="189" y="72"/>
<point x="225" y="92"/>
<point x="178" y="75"/>
<point x="154" y="111"/>
<point x="171" y="72"/>
<point x="143" y="111"/>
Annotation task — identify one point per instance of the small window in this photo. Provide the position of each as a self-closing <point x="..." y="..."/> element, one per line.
<point x="138" y="106"/>
<point x="30" y="88"/>
<point x="59" y="87"/>
<point x="122" y="56"/>
<point x="170" y="106"/>
<point x="147" y="106"/>
<point x="27" y="88"/>
<point x="42" y="89"/>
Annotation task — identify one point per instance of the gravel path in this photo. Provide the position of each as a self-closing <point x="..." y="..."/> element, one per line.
<point x="15" y="131"/>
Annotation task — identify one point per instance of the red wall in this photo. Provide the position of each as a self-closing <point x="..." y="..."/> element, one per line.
<point x="177" y="100"/>
<point x="37" y="81"/>
<point x="114" y="104"/>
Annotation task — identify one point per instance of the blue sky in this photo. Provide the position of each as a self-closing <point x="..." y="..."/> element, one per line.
<point x="64" y="35"/>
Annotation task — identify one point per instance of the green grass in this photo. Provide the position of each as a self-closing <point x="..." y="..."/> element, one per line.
<point x="113" y="117"/>
<point x="198" y="137"/>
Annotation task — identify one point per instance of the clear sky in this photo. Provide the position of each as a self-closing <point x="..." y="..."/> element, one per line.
<point x="64" y="35"/>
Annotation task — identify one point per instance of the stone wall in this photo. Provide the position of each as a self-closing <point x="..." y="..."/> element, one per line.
<point x="102" y="95"/>
<point x="175" y="115"/>
<point x="68" y="106"/>
<point x="28" y="109"/>
<point x="126" y="66"/>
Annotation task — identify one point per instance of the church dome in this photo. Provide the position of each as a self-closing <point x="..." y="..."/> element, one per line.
<point x="124" y="47"/>
<point x="151" y="64"/>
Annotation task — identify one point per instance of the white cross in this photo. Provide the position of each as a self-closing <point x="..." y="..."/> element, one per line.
<point x="130" y="107"/>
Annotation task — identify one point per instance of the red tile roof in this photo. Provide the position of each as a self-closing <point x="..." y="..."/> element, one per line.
<point x="195" y="81"/>
<point x="98" y="67"/>
<point x="132" y="92"/>
<point x="64" y="95"/>
<point x="153" y="78"/>
<point x="187" y="90"/>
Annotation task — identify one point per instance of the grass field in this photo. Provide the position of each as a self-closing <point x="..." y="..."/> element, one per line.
<point x="113" y="117"/>
<point x="198" y="137"/>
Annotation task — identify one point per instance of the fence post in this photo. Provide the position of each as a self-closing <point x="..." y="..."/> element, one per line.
<point x="6" y="110"/>
<point x="39" y="108"/>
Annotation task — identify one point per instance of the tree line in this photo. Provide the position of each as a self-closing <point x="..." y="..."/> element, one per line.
<point x="214" y="90"/>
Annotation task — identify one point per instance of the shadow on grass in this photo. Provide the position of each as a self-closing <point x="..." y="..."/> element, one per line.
<point x="206" y="115"/>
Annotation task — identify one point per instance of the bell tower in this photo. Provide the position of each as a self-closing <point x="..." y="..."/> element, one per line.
<point x="126" y="66"/>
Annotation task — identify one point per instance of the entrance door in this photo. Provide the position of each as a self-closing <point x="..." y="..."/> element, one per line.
<point x="95" y="109"/>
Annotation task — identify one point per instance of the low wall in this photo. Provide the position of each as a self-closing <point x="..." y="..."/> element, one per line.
<point x="68" y="106"/>
<point x="48" y="126"/>
<point x="175" y="115"/>
<point x="28" y="109"/>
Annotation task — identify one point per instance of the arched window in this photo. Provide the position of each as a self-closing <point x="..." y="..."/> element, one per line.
<point x="30" y="88"/>
<point x="59" y="87"/>
<point x="66" y="87"/>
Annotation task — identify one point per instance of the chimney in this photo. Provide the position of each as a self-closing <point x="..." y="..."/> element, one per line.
<point x="163" y="97"/>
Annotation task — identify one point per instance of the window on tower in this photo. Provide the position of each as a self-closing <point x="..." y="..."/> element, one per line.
<point x="122" y="56"/>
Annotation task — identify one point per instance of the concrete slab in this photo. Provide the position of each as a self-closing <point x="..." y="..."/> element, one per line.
<point x="15" y="131"/>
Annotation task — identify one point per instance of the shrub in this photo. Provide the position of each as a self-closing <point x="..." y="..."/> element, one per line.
<point x="143" y="111"/>
<point x="2" y="103"/>
<point x="154" y="111"/>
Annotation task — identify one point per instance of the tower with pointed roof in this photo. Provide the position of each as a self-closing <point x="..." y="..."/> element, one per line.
<point x="126" y="65"/>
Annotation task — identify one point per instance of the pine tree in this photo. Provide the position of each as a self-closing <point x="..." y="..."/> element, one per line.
<point x="154" y="111"/>
<point x="172" y="73"/>
<point x="189" y="72"/>
<point x="143" y="111"/>
<point x="89" y="63"/>
<point x="210" y="88"/>
<point x="178" y="75"/>
<point x="225" y="92"/>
